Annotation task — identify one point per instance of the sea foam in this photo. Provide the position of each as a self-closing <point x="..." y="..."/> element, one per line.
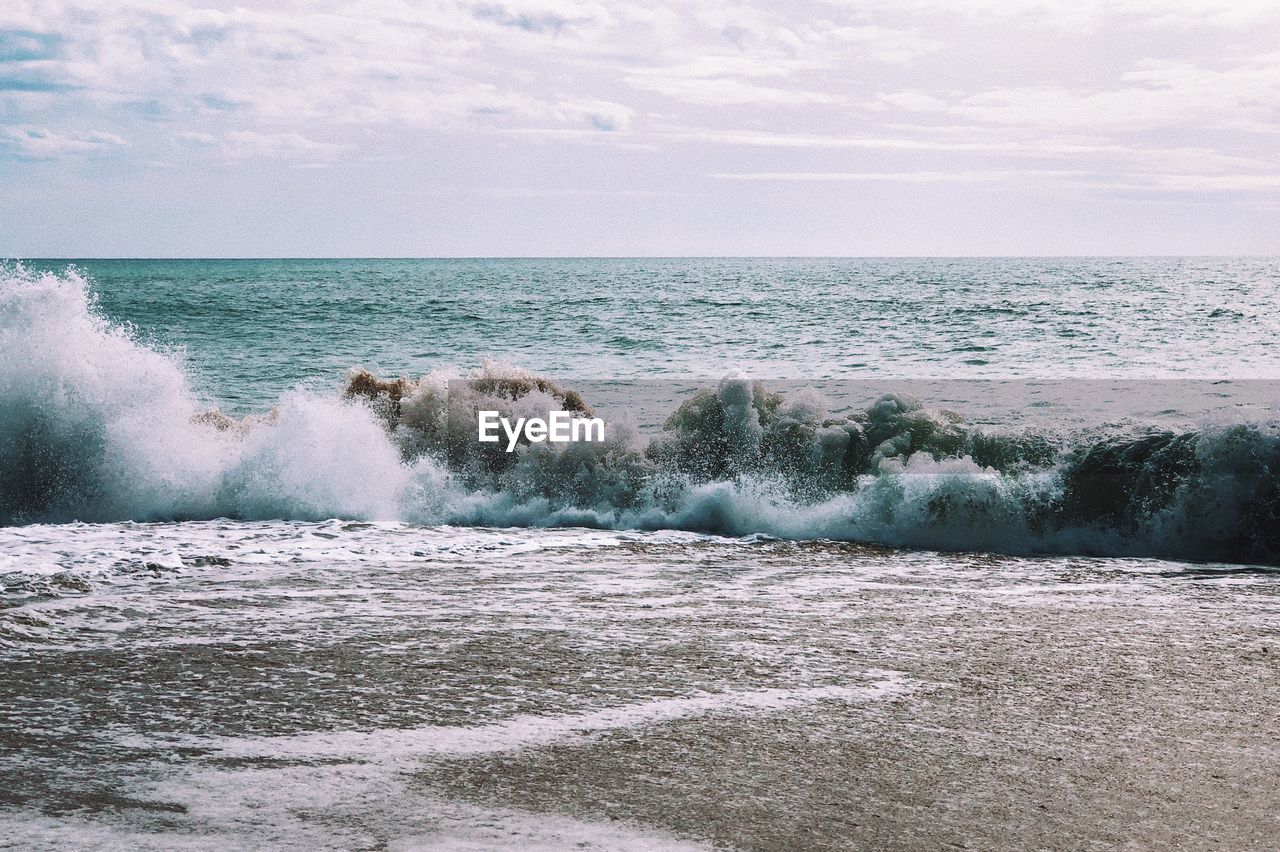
<point x="97" y="426"/>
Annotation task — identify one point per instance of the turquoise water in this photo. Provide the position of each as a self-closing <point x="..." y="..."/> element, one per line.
<point x="251" y="329"/>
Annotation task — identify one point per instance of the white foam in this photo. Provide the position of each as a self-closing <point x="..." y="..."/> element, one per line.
<point x="332" y="807"/>
<point x="534" y="730"/>
<point x="95" y="426"/>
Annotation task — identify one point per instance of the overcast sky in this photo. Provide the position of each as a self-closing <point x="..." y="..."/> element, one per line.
<point x="531" y="127"/>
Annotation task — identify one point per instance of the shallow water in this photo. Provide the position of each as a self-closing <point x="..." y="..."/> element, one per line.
<point x="224" y="684"/>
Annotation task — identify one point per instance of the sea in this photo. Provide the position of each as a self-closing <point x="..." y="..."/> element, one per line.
<point x="876" y="554"/>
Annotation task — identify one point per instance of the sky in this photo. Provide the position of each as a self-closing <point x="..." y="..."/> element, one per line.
<point x="664" y="127"/>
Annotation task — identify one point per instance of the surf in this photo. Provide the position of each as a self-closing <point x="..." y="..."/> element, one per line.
<point x="97" y="425"/>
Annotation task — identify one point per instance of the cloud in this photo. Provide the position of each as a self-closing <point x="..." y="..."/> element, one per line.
<point x="247" y="144"/>
<point x="39" y="143"/>
<point x="1084" y="16"/>
<point x="1203" y="183"/>
<point x="221" y="103"/>
<point x="1186" y="183"/>
<point x="883" y="44"/>
<point x="1162" y="93"/>
<point x="971" y="140"/>
<point x="924" y="177"/>
<point x="382" y="61"/>
<point x="17" y="45"/>
<point x="911" y="101"/>
<point x="605" y="116"/>
<point x="545" y="17"/>
<point x="1180" y="115"/>
<point x="31" y="83"/>
<point x="1155" y="94"/>
<point x="721" y="91"/>
<point x="534" y="23"/>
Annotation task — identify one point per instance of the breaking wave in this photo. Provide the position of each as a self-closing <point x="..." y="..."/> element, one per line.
<point x="96" y="426"/>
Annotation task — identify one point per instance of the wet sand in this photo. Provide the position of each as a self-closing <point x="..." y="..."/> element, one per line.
<point x="365" y="687"/>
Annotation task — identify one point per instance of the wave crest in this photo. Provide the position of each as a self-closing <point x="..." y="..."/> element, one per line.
<point x="96" y="426"/>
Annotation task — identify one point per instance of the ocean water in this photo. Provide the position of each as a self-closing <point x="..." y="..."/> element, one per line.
<point x="876" y="554"/>
<point x="250" y="330"/>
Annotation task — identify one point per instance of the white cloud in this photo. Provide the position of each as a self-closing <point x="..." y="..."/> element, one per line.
<point x="39" y="143"/>
<point x="1210" y="183"/>
<point x="884" y="44"/>
<point x="249" y="144"/>
<point x="968" y="140"/>
<point x="1177" y="95"/>
<point x="721" y="91"/>
<point x="912" y="101"/>
<point x="605" y="116"/>
<point x="1189" y="183"/>
<point x="924" y="177"/>
<point x="1084" y="16"/>
<point x="1153" y="94"/>
<point x="442" y="62"/>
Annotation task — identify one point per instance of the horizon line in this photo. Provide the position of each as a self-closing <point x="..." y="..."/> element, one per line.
<point x="45" y="258"/>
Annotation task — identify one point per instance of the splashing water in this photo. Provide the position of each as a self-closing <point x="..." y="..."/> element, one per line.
<point x="97" y="426"/>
